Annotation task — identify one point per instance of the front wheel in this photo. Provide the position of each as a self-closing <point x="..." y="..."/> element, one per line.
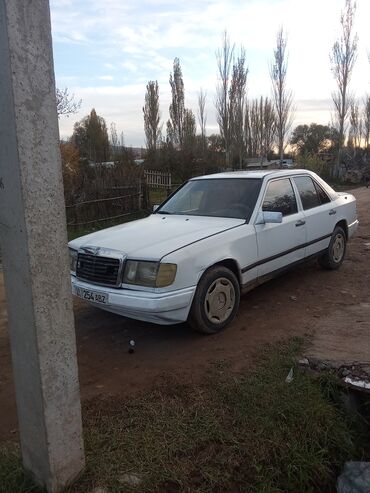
<point x="334" y="255"/>
<point x="216" y="301"/>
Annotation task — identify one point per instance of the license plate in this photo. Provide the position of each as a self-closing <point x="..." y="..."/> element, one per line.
<point x="93" y="296"/>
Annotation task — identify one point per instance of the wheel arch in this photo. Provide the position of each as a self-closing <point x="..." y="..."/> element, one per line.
<point x="230" y="264"/>
<point x="343" y="224"/>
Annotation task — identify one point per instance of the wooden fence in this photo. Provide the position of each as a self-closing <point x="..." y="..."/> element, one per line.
<point x="117" y="202"/>
<point x="109" y="204"/>
<point x="158" y="179"/>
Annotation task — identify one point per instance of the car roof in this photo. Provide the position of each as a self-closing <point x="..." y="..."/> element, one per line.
<point x="271" y="173"/>
<point x="255" y="174"/>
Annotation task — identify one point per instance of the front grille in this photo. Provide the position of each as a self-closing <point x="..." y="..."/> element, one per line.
<point x="100" y="270"/>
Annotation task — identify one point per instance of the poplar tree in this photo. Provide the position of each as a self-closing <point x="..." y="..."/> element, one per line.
<point x="342" y="58"/>
<point x="281" y="95"/>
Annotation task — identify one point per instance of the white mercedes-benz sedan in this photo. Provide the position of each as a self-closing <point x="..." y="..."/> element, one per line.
<point x="216" y="237"/>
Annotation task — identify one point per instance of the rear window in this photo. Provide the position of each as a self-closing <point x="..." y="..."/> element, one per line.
<point x="323" y="196"/>
<point x="311" y="194"/>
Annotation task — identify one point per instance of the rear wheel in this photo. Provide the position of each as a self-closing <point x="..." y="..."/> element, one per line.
<point x="334" y="255"/>
<point x="216" y="301"/>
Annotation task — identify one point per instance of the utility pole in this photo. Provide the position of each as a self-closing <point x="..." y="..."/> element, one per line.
<point x="35" y="257"/>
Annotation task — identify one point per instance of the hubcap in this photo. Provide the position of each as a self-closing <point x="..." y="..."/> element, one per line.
<point x="338" y="248"/>
<point x="220" y="300"/>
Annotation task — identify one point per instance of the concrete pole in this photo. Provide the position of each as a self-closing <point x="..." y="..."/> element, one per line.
<point x="33" y="241"/>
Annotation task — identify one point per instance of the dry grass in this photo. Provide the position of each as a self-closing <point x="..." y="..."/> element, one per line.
<point x="249" y="432"/>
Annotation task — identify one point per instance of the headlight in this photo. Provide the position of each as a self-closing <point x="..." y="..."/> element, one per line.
<point x="151" y="274"/>
<point x="166" y="275"/>
<point x="73" y="259"/>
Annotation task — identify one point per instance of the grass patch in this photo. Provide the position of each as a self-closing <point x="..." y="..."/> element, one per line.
<point x="249" y="432"/>
<point x="157" y="196"/>
<point x="12" y="477"/>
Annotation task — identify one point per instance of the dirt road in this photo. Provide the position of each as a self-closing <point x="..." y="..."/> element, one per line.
<point x="332" y="307"/>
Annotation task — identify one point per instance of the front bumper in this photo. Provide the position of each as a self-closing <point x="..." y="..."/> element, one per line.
<point x="352" y="228"/>
<point x="160" y="308"/>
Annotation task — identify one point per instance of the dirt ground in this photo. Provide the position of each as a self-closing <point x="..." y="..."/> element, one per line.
<point x="332" y="307"/>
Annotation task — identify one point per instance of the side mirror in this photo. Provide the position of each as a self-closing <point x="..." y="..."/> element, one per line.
<point x="155" y="207"/>
<point x="268" y="217"/>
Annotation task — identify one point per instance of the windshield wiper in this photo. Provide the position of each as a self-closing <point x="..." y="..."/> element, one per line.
<point x="163" y="212"/>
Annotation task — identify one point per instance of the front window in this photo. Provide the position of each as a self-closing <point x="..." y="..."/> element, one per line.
<point x="216" y="197"/>
<point x="280" y="197"/>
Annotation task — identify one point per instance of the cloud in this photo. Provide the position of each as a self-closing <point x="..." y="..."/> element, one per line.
<point x="130" y="66"/>
<point x="127" y="90"/>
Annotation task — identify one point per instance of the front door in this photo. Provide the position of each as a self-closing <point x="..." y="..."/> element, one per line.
<point x="280" y="244"/>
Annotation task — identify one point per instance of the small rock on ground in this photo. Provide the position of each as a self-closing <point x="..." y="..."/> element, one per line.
<point x="355" y="478"/>
<point x="130" y="479"/>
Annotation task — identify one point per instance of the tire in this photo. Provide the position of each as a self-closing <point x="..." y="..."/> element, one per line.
<point x="216" y="301"/>
<point x="334" y="255"/>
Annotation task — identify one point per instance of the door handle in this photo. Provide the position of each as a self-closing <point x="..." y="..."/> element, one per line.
<point x="332" y="212"/>
<point x="300" y="223"/>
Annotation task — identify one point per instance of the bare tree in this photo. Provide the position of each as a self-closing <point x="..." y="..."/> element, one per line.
<point x="282" y="96"/>
<point x="224" y="57"/>
<point x="342" y="58"/>
<point x="355" y="121"/>
<point x="113" y="134"/>
<point x="202" y="117"/>
<point x="247" y="129"/>
<point x="366" y="121"/>
<point x="114" y="141"/>
<point x="152" y="117"/>
<point x="181" y="128"/>
<point x="260" y="124"/>
<point x="268" y="125"/>
<point x="170" y="133"/>
<point x="175" y="126"/>
<point x="237" y="97"/>
<point x="66" y="104"/>
<point x="190" y="130"/>
<point x="122" y="139"/>
<point x="252" y="128"/>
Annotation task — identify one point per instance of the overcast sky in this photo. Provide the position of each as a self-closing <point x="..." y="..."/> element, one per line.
<point x="106" y="51"/>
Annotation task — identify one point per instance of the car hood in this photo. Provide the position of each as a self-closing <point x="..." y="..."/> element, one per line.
<point x="157" y="235"/>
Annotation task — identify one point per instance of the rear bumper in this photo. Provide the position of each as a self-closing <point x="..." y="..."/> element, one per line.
<point x="352" y="228"/>
<point x="161" y="308"/>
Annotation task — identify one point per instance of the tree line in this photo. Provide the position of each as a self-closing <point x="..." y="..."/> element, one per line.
<point x="248" y="127"/>
<point x="259" y="128"/>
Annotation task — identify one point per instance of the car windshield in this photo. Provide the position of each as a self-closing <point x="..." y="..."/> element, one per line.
<point x="217" y="197"/>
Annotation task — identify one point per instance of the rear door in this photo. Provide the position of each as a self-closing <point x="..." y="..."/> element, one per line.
<point x="319" y="211"/>
<point x="280" y="245"/>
